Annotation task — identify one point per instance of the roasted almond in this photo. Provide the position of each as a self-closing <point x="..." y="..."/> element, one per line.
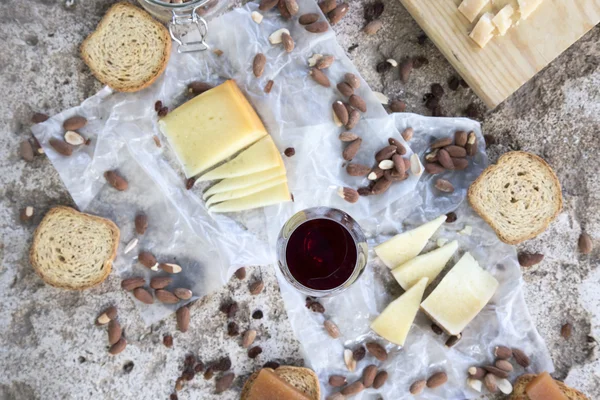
<point x="453" y="340"/>
<point x="292" y="7"/>
<point x="476" y="372"/>
<point x="61" y="147"/>
<point x="114" y="332"/>
<point x="132" y="283"/>
<point x="141" y="223"/>
<point x="460" y="138"/>
<point x="248" y="338"/>
<point x="38" y="118"/>
<point x="407" y="134"/>
<point x="490" y="383"/>
<point x="26" y="150"/>
<point x="351" y="150"/>
<point x="352" y="80"/>
<point x="327" y="5"/>
<point x="349" y="360"/>
<point x="266" y="5"/>
<point x="332" y="329"/>
<point x="337" y="380"/>
<point x="256" y="287"/>
<point x="385" y="165"/>
<point x="504" y="365"/>
<point x="358" y="169"/>
<point x="317" y="27"/>
<point x="471" y="145"/>
<point x="74" y="123"/>
<point x="115" y="180"/>
<point x="160" y="282"/>
<point x="269" y="86"/>
<point x="444" y="186"/>
<point x="348" y="137"/>
<point x="143" y="295"/>
<point x="325" y="62"/>
<point x="107" y="315"/>
<point x="283" y="10"/>
<point x="288" y="42"/>
<point x="496" y="371"/>
<point x="393" y="175"/>
<point x="434" y="168"/>
<point x="386" y="153"/>
<point x="375" y="174"/>
<point x="380" y="379"/>
<point x="345" y="89"/>
<point x="585" y="243"/>
<point x="337" y="13"/>
<point x="377" y="351"/>
<point x="353" y="388"/>
<point x="373" y="27"/>
<point x="406" y="68"/>
<point x="460" y="163"/>
<point x="529" y="259"/>
<point x="224" y="382"/>
<point x="170" y="268"/>
<point x="456" y="151"/>
<point x="418" y="386"/>
<point x="380" y="186"/>
<point x="307" y="19"/>
<point x="353" y="118"/>
<point x="439" y="143"/>
<point x="198" y="87"/>
<point x="437" y="380"/>
<point x="183" y="318"/>
<point x="521" y="358"/>
<point x="368" y="375"/>
<point x="432" y="156"/>
<point x="118" y="347"/>
<point x="340" y="111"/>
<point x="258" y="65"/>
<point x="502" y="352"/>
<point x="183" y="293"/>
<point x="319" y="77"/>
<point x="348" y="194"/>
<point x="357" y="102"/>
<point x="147" y="259"/>
<point x="444" y="159"/>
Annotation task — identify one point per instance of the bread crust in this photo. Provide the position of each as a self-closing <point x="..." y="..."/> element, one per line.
<point x="108" y="263"/>
<point x="250" y="381"/>
<point x="523" y="380"/>
<point x="143" y="14"/>
<point x="488" y="171"/>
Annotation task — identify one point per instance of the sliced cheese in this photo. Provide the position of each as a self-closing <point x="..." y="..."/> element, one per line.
<point x="428" y="265"/>
<point x="261" y="156"/>
<point x="526" y="7"/>
<point x="394" y="322"/>
<point x="484" y="30"/>
<point x="236" y="194"/>
<point x="273" y="195"/>
<point x="407" y="245"/>
<point x="212" y="127"/>
<point x="471" y="8"/>
<point x="460" y="296"/>
<point x="503" y="20"/>
<point x="240" y="182"/>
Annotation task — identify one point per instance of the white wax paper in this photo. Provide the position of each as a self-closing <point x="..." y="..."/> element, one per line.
<point x="297" y="113"/>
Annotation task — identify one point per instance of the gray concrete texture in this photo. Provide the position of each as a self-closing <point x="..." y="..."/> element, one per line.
<point x="49" y="345"/>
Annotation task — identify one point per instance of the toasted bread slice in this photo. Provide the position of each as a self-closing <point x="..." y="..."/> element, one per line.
<point x="519" y="389"/>
<point x="73" y="250"/>
<point x="129" y="49"/>
<point x="518" y="197"/>
<point x="303" y="379"/>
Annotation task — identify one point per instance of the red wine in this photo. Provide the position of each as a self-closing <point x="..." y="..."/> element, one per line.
<point x="321" y="254"/>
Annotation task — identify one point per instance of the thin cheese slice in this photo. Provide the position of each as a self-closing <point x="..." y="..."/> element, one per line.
<point x="394" y="322"/>
<point x="484" y="30"/>
<point x="259" y="157"/>
<point x="526" y="7"/>
<point x="407" y="245"/>
<point x="274" y="195"/>
<point x="427" y="265"/>
<point x="471" y="8"/>
<point x="503" y="21"/>
<point x="236" y="194"/>
<point x="212" y="127"/>
<point x="240" y="182"/>
<point x="460" y="296"/>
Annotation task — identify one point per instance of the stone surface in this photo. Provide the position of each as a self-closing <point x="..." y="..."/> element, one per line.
<point x="49" y="345"/>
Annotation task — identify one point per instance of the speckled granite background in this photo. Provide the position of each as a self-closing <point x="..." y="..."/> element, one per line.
<point x="49" y="346"/>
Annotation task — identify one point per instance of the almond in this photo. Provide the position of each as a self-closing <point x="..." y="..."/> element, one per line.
<point x="358" y="169"/>
<point x="256" y="17"/>
<point x="348" y="194"/>
<point x="386" y="165"/>
<point x="197" y="87"/>
<point x="415" y="165"/>
<point x="373" y="27"/>
<point x="407" y="134"/>
<point x="432" y="156"/>
<point x="164" y="296"/>
<point x="434" y="168"/>
<point x="73" y="138"/>
<point x="460" y="138"/>
<point x="585" y="243"/>
<point x="337" y="380"/>
<point x="26" y="151"/>
<point x="496" y="371"/>
<point x="368" y="375"/>
<point x="456" y="151"/>
<point x="386" y="153"/>
<point x="437" y="380"/>
<point x="352" y="80"/>
<point x="61" y="147"/>
<point x="256" y="287"/>
<point x="160" y="282"/>
<point x="357" y="102"/>
<point x="377" y="351"/>
<point x="141" y="224"/>
<point x="521" y="358"/>
<point x="115" y="180"/>
<point x="397" y="106"/>
<point x="170" y="268"/>
<point x="348" y="137"/>
<point x="502" y="352"/>
<point x="38" y="118"/>
<point x="224" y="382"/>
<point x="132" y="283"/>
<point x="444" y="159"/>
<point x="147" y="259"/>
<point x="74" y="123"/>
<point x="393" y="175"/>
<point x="351" y="150"/>
<point x="266" y="5"/>
<point x="269" y="86"/>
<point x="114" y="332"/>
<point x="471" y="145"/>
<point x="183" y="318"/>
<point x="345" y="89"/>
<point x="375" y="174"/>
<point x="439" y="143"/>
<point x="418" y="386"/>
<point x="380" y="379"/>
<point x="340" y="111"/>
<point x="288" y="42"/>
<point x="118" y="347"/>
<point x="143" y="295"/>
<point x="490" y="383"/>
<point x="530" y="259"/>
<point x="183" y="293"/>
<point x="353" y="118"/>
<point x="258" y="65"/>
<point x="353" y="389"/>
<point x="292" y="7"/>
<point x="325" y="62"/>
<point x="327" y="5"/>
<point x="319" y="77"/>
<point x="276" y="37"/>
<point x="349" y="360"/>
<point x="307" y="19"/>
<point x="107" y="315"/>
<point x="283" y="9"/>
<point x="476" y="372"/>
<point x="332" y="328"/>
<point x="26" y="214"/>
<point x="317" y="27"/>
<point x="504" y="365"/>
<point x="504" y="386"/>
<point x="381" y="185"/>
<point x="248" y="338"/>
<point x="460" y="163"/>
<point x="475" y="384"/>
<point x="453" y="340"/>
<point x="337" y="13"/>
<point x="406" y="68"/>
<point x="444" y="186"/>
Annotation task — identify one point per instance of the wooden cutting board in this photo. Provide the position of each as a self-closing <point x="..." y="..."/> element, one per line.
<point x="506" y="62"/>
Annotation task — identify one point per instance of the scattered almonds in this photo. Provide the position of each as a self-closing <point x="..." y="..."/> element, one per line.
<point x="114" y="332"/>
<point x="502" y="352"/>
<point x="132" y="283"/>
<point x="107" y="315"/>
<point x="74" y="123"/>
<point x="73" y="138"/>
<point x="325" y="62"/>
<point x="332" y="329"/>
<point x="307" y="19"/>
<point x="348" y="194"/>
<point x="418" y="386"/>
<point x="380" y="379"/>
<point x="437" y="379"/>
<point x="183" y="318"/>
<point x="143" y="295"/>
<point x="61" y="147"/>
<point x="477" y="372"/>
<point x="248" y="338"/>
<point x="118" y="347"/>
<point x="353" y="388"/>
<point x="368" y="375"/>
<point x="490" y="383"/>
<point x="170" y="268"/>
<point x="337" y="380"/>
<point x="115" y="180"/>
<point x="288" y="42"/>
<point x="258" y="65"/>
<point x="377" y="351"/>
<point x="317" y="27"/>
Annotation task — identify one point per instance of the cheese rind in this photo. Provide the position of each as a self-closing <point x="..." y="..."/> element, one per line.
<point x="471" y="8"/>
<point x="240" y="182"/>
<point x="276" y="194"/>
<point x="527" y="7"/>
<point x="460" y="296"/>
<point x="427" y="265"/>
<point x="236" y="194"/>
<point x="211" y="127"/>
<point x="261" y="156"/>
<point x="395" y="321"/>
<point x="407" y="245"/>
<point x="483" y="31"/>
<point x="502" y="20"/>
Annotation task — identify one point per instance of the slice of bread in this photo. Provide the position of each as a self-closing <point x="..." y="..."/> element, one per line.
<point x="303" y="379"/>
<point x="129" y="49"/>
<point x="518" y="197"/>
<point x="73" y="250"/>
<point x="519" y="389"/>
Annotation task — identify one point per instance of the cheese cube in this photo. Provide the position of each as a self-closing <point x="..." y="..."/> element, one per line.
<point x="502" y="21"/>
<point x="212" y="127"/>
<point x="407" y="245"/>
<point x="460" y="296"/>
<point x="427" y="265"/>
<point x="236" y="194"/>
<point x="526" y="7"/>
<point x="240" y="182"/>
<point x="394" y="322"/>
<point x="471" y="8"/>
<point x="484" y="30"/>
<point x="274" y="195"/>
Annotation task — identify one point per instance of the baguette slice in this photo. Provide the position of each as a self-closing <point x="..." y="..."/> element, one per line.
<point x="303" y="379"/>
<point x="129" y="49"/>
<point x="521" y="383"/>
<point x="518" y="197"/>
<point x="73" y="250"/>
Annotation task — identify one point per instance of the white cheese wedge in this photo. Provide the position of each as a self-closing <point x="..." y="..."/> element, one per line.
<point x="407" y="245"/>
<point x="394" y="322"/>
<point x="236" y="194"/>
<point x="211" y="127"/>
<point x="503" y="21"/>
<point x="484" y="30"/>
<point x="261" y="156"/>
<point x="471" y="8"/>
<point x="460" y="296"/>
<point x="274" y="195"/>
<point x="240" y="182"/>
<point x="526" y="7"/>
<point x="427" y="265"/>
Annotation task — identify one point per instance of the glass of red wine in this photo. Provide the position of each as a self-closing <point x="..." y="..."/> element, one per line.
<point x="321" y="251"/>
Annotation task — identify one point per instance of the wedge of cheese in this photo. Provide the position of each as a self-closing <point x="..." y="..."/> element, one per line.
<point x="240" y="182"/>
<point x="471" y="8"/>
<point x="484" y="30"/>
<point x="236" y="194"/>
<point x="276" y="194"/>
<point x="212" y="127"/>
<point x="460" y="296"/>
<point x="503" y="20"/>
<point x="394" y="322"/>
<point x="261" y="156"/>
<point x="428" y="265"/>
<point x="407" y="245"/>
<point x="527" y="7"/>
